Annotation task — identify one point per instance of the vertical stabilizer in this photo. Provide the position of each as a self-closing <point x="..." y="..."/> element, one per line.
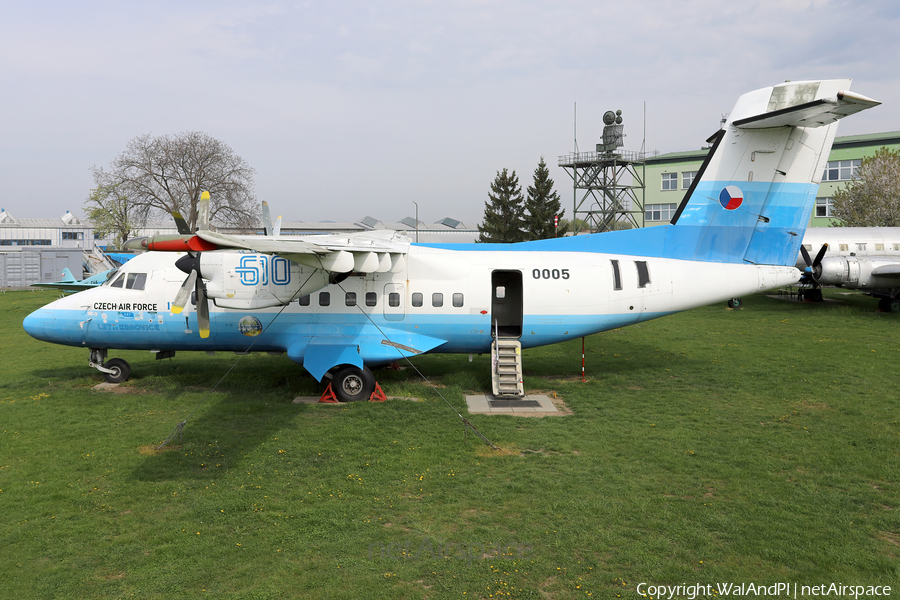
<point x="752" y="200"/>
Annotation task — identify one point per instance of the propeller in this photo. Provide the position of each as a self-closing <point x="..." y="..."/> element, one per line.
<point x="814" y="267"/>
<point x="270" y="229"/>
<point x="190" y="264"/>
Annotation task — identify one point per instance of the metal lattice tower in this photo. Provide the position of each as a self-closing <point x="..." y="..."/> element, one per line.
<point x="610" y="182"/>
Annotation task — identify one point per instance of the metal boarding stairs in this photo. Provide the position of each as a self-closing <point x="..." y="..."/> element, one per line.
<point x="506" y="367"/>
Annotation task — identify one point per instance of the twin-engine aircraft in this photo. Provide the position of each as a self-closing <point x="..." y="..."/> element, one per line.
<point x="342" y="304"/>
<point x="856" y="258"/>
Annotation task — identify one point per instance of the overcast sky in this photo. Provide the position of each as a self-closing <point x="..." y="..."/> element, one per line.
<point x="349" y="109"/>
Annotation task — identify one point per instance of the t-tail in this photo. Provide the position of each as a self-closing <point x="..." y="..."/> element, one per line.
<point x="752" y="199"/>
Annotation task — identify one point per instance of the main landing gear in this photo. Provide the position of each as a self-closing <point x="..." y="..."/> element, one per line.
<point x="115" y="370"/>
<point x="349" y="383"/>
<point x="889" y="305"/>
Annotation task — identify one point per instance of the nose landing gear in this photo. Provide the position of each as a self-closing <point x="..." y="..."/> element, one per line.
<point x="115" y="370"/>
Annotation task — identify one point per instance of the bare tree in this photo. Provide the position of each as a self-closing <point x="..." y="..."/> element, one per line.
<point x="872" y="198"/>
<point x="168" y="173"/>
<point x="108" y="210"/>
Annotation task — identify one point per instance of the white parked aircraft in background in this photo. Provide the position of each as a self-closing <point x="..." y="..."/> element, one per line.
<point x="344" y="303"/>
<point x="856" y="258"/>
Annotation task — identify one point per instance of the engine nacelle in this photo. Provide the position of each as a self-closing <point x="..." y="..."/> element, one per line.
<point x="838" y="270"/>
<point x="856" y="272"/>
<point x="247" y="280"/>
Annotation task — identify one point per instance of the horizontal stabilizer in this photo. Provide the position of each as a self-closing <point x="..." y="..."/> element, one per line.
<point x="810" y="114"/>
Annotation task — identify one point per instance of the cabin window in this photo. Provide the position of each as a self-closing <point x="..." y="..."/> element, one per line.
<point x="617" y="277"/>
<point x="136" y="281"/>
<point x="500" y="291"/>
<point x="371" y="299"/>
<point x="437" y="299"/>
<point x="394" y="299"/>
<point x="643" y="273"/>
<point x="350" y="299"/>
<point x="879" y="247"/>
<point x="669" y="181"/>
<point x="457" y="300"/>
<point x="324" y="298"/>
<point x="808" y="247"/>
<point x="843" y="247"/>
<point x="861" y="247"/>
<point x="417" y="299"/>
<point x="304" y="300"/>
<point x="897" y="247"/>
<point x="119" y="282"/>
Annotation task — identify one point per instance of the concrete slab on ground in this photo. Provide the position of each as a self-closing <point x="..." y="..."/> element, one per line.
<point x="529" y="405"/>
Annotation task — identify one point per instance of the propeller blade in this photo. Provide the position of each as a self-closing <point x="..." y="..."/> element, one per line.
<point x="203" y="212"/>
<point x="267" y="218"/>
<point x="820" y="255"/>
<point x="805" y="254"/>
<point x="181" y="224"/>
<point x="277" y="230"/>
<point x="202" y="309"/>
<point x="184" y="292"/>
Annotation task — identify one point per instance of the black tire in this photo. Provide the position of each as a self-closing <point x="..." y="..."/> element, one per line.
<point x="893" y="305"/>
<point x="735" y="303"/>
<point x="121" y="370"/>
<point x="352" y="384"/>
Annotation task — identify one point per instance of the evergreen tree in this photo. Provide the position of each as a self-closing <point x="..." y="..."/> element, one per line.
<point x="504" y="211"/>
<point x="543" y="205"/>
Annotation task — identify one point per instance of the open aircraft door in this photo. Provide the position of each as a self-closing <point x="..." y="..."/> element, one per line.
<point x="506" y="304"/>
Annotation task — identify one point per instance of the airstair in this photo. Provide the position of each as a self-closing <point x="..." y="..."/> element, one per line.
<point x="506" y="368"/>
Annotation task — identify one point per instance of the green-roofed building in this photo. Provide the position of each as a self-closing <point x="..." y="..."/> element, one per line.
<point x="668" y="176"/>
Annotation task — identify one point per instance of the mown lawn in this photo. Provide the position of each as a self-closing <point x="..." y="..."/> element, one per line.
<point x="758" y="445"/>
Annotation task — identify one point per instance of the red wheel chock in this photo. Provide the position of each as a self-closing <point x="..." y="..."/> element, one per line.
<point x="378" y="394"/>
<point x="328" y="396"/>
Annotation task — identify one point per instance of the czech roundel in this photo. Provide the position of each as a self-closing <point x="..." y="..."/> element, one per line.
<point x="731" y="197"/>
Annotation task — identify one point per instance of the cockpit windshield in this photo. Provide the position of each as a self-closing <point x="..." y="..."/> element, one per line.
<point x="129" y="281"/>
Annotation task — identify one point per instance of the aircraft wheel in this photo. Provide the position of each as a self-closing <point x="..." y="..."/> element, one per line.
<point x="735" y="303"/>
<point x="352" y="384"/>
<point x="121" y="370"/>
<point x="893" y="305"/>
<point x="817" y="296"/>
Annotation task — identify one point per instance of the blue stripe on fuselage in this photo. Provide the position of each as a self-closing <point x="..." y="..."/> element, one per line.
<point x="705" y="231"/>
<point x="465" y="333"/>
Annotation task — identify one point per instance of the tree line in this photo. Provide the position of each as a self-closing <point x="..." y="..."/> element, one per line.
<point x="511" y="217"/>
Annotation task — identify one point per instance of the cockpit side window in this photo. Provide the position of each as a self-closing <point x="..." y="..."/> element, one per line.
<point x="118" y="282"/>
<point x="136" y="281"/>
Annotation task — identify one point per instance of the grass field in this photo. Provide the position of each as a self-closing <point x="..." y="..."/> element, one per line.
<point x="752" y="446"/>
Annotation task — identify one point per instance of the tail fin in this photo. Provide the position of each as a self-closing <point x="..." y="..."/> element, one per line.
<point x="752" y="199"/>
<point x="67" y="276"/>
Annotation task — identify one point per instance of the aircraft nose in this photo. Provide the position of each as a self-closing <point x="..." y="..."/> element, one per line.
<point x="43" y="325"/>
<point x="39" y="324"/>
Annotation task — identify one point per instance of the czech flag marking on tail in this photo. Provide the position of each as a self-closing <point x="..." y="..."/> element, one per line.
<point x="731" y="197"/>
